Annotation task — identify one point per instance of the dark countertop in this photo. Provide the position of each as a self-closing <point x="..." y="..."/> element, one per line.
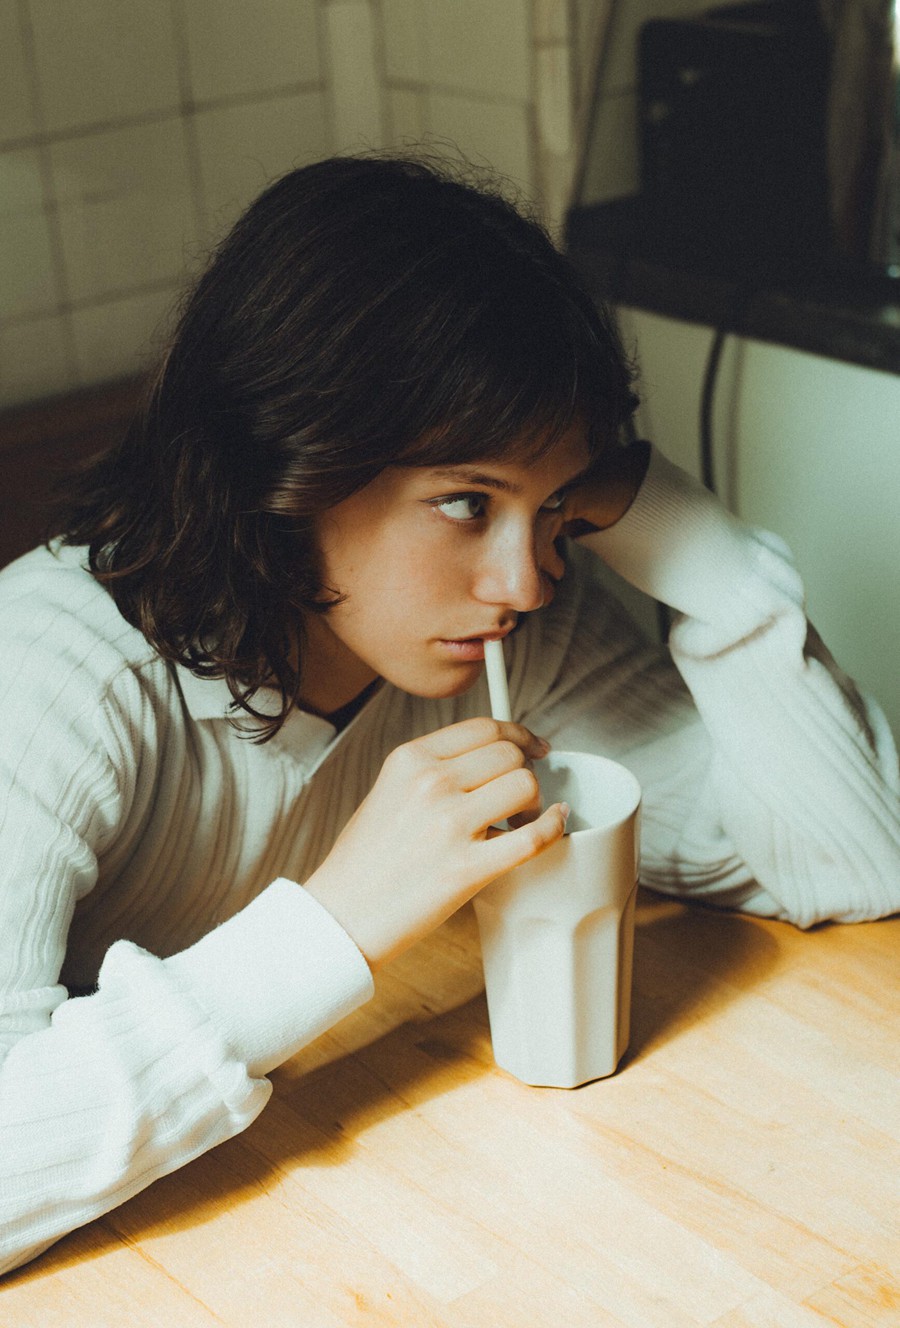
<point x="821" y="308"/>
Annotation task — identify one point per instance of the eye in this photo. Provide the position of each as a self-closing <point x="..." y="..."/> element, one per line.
<point x="462" y="506"/>
<point x="554" y="502"/>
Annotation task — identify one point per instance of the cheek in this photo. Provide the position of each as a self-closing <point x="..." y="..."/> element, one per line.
<point x="397" y="574"/>
<point x="391" y="579"/>
<point x="419" y="588"/>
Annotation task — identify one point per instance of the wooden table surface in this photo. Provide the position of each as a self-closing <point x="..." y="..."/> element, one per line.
<point x="741" y="1170"/>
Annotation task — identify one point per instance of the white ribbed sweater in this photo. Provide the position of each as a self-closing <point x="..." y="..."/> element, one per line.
<point x="142" y="839"/>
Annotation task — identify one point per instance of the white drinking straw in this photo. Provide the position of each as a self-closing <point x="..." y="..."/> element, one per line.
<point x="496" y="677"/>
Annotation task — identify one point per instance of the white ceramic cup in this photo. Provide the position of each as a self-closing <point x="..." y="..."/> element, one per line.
<point x="557" y="933"/>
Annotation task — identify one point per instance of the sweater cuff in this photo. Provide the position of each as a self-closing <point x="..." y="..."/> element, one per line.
<point x="679" y="544"/>
<point x="275" y="976"/>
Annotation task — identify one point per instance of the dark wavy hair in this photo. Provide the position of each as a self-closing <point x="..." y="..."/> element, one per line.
<point x="364" y="312"/>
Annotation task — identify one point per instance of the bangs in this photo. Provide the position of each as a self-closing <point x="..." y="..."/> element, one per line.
<point x="518" y="380"/>
<point x="521" y="428"/>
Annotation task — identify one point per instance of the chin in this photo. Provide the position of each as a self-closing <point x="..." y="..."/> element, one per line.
<point x="457" y="684"/>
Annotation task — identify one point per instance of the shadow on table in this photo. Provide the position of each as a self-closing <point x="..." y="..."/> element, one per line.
<point x="688" y="961"/>
<point x="311" y="1121"/>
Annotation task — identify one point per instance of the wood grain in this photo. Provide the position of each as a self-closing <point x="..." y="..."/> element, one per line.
<point x="742" y="1170"/>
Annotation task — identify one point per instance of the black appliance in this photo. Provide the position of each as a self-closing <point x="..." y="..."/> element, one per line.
<point x="733" y="137"/>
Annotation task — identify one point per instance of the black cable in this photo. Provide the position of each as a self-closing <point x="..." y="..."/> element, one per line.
<point x="630" y="435"/>
<point x="714" y="359"/>
<point x="707" y="467"/>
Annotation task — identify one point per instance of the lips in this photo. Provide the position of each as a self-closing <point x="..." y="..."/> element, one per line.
<point x="470" y="649"/>
<point x="480" y="636"/>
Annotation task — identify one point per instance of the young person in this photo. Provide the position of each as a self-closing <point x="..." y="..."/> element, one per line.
<point x="246" y="757"/>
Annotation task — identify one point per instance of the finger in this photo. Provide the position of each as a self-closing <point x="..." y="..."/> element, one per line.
<point x="515" y="791"/>
<point x="525" y="817"/>
<point x="505" y="849"/>
<point x="474" y="769"/>
<point x="605" y="495"/>
<point x="471" y="734"/>
<point x="529" y="813"/>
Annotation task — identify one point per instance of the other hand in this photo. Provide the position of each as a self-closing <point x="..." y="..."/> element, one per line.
<point x="605" y="494"/>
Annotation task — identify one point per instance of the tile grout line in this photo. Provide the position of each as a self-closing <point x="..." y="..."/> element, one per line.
<point x="188" y="117"/>
<point x="95" y="127"/>
<point x="50" y="202"/>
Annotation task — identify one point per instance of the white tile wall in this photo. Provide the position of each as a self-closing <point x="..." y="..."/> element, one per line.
<point x="591" y="24"/>
<point x="463" y="45"/>
<point x="553" y="21"/>
<point x="121" y="337"/>
<point x="242" y="147"/>
<point x="356" y="86"/>
<point x="21" y="190"/>
<point x="125" y="208"/>
<point x="553" y="97"/>
<point x="492" y="135"/>
<point x="27" y="275"/>
<point x="556" y="125"/>
<point x="470" y="77"/>
<point x="479" y="48"/>
<point x="36" y="359"/>
<point x="236" y="48"/>
<point x="99" y="61"/>
<point x="407" y="115"/>
<point x="135" y="132"/>
<point x="17" y="118"/>
<point x="404" y="40"/>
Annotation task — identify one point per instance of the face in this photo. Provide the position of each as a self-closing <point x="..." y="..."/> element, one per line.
<point x="430" y="561"/>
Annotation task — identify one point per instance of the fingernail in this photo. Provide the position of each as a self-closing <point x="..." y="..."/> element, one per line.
<point x="542" y="745"/>
<point x="566" y="811"/>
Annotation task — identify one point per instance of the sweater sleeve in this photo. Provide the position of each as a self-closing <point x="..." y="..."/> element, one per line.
<point x="800" y="774"/>
<point x="102" y="1094"/>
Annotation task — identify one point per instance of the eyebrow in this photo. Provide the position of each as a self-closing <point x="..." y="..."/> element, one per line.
<point x="463" y="475"/>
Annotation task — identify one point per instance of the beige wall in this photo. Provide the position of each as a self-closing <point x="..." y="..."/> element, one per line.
<point x="806" y="447"/>
<point x="132" y="133"/>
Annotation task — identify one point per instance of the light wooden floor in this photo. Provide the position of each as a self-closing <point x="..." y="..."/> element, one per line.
<point x="742" y="1170"/>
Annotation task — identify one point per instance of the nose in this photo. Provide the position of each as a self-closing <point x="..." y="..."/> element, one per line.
<point x="518" y="571"/>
